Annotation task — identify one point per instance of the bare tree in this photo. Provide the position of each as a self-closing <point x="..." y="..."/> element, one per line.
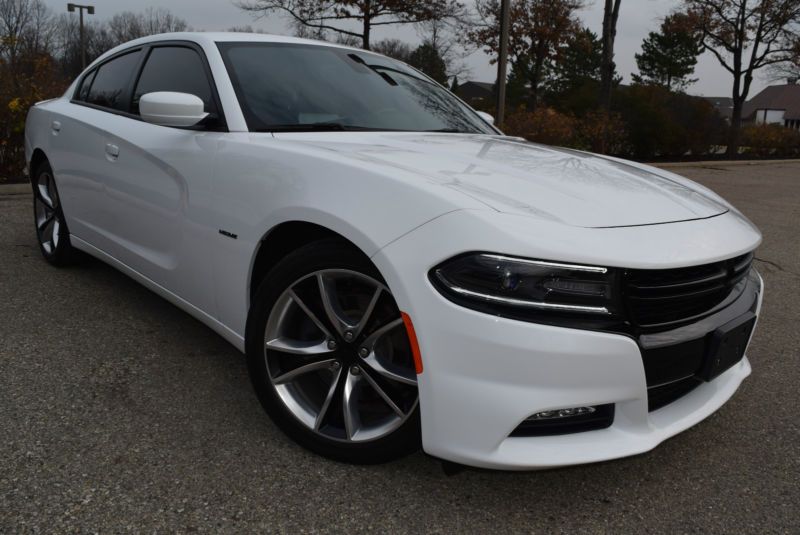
<point x="39" y="35"/>
<point x="98" y="40"/>
<point x="16" y="18"/>
<point x="788" y="71"/>
<point x="607" y="66"/>
<point x="443" y="34"/>
<point x="247" y="28"/>
<point x="26" y="32"/>
<point x="745" y="36"/>
<point x="339" y="16"/>
<point x="160" y="20"/>
<point x="101" y="36"/>
<point x="394" y="48"/>
<point x="127" y="25"/>
<point x="309" y="32"/>
<point x="28" y="73"/>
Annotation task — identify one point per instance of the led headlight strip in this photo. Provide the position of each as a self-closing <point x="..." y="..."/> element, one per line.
<point x="525" y="284"/>
<point x="571" y="267"/>
<point x="522" y="302"/>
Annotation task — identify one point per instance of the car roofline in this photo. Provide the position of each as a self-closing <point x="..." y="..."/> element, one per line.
<point x="212" y="38"/>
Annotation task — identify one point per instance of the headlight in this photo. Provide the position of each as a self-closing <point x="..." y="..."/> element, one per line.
<point x="532" y="290"/>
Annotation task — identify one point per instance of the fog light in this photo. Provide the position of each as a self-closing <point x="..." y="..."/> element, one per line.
<point x="565" y="421"/>
<point x="562" y="413"/>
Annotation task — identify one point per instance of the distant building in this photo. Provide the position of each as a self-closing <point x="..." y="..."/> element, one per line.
<point x="476" y="93"/>
<point x="777" y="104"/>
<point x="723" y="105"/>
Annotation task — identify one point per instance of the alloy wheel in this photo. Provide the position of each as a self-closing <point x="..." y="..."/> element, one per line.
<point x="46" y="209"/>
<point x="338" y="356"/>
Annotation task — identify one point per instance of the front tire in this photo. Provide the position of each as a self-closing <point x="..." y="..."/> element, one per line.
<point x="51" y="226"/>
<point x="330" y="359"/>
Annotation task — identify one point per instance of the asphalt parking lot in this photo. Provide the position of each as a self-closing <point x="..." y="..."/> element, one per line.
<point x="118" y="412"/>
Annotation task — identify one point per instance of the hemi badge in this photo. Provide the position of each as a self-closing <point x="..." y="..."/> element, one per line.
<point x="228" y="234"/>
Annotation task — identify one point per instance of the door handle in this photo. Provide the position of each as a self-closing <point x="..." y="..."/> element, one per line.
<point x="56" y="126"/>
<point x="112" y="151"/>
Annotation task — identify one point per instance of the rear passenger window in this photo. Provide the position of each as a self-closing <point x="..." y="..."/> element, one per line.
<point x="83" y="92"/>
<point x="178" y="69"/>
<point x="111" y="82"/>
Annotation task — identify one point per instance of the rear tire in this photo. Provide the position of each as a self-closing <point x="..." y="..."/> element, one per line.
<point x="330" y="359"/>
<point x="51" y="226"/>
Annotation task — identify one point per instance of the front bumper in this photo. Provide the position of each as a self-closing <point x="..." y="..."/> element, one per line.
<point x="484" y="375"/>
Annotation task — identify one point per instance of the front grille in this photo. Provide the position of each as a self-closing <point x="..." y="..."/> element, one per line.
<point x="661" y="299"/>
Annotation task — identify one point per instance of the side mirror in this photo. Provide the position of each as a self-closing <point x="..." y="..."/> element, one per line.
<point x="486" y="116"/>
<point x="166" y="108"/>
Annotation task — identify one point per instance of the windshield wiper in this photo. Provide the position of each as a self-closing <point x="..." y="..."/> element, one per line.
<point x="379" y="70"/>
<point x="314" y="127"/>
<point x="448" y="131"/>
<point x="308" y="127"/>
<point x="386" y="78"/>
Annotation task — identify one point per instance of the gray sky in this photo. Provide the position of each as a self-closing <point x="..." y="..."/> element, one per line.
<point x="637" y="18"/>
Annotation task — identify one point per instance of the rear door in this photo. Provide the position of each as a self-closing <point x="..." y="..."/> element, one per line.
<point x="79" y="129"/>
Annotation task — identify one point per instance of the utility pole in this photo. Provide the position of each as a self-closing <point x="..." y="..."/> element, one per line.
<point x="502" y="62"/>
<point x="89" y="11"/>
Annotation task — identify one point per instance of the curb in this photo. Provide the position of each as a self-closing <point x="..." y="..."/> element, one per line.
<point x="724" y="163"/>
<point x="15" y="189"/>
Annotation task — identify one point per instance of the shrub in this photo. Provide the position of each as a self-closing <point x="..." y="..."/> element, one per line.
<point x="544" y="125"/>
<point x="602" y="132"/>
<point x="662" y="123"/>
<point x="32" y="79"/>
<point x="770" y="141"/>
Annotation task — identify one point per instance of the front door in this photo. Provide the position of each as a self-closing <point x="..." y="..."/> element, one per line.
<point x="158" y="182"/>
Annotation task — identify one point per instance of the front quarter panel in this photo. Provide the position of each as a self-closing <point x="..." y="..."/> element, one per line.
<point x="262" y="182"/>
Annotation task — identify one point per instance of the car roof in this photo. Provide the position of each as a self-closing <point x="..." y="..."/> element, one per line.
<point x="211" y="38"/>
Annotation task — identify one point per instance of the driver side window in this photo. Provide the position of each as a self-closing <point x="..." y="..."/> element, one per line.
<point x="175" y="68"/>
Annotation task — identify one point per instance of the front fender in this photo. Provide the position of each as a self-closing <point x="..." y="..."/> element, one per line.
<point x="262" y="182"/>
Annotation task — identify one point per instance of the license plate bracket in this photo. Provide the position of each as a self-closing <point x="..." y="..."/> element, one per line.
<point x="726" y="346"/>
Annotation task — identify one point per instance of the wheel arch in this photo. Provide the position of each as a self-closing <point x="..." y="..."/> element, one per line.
<point x="281" y="240"/>
<point x="37" y="158"/>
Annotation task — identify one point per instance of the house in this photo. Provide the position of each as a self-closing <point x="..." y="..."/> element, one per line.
<point x="476" y="93"/>
<point x="777" y="104"/>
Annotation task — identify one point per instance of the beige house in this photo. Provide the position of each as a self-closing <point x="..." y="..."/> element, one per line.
<point x="777" y="104"/>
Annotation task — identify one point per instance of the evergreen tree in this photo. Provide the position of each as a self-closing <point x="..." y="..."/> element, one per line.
<point x="574" y="82"/>
<point x="517" y="87"/>
<point x="427" y="59"/>
<point x="669" y="56"/>
<point x="579" y="63"/>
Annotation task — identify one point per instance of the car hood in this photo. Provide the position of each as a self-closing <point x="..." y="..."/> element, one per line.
<point x="513" y="176"/>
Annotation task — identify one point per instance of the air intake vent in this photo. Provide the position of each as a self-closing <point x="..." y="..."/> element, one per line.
<point x="662" y="299"/>
<point x="663" y="395"/>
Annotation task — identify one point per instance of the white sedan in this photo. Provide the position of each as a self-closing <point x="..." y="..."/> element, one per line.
<point x="398" y="272"/>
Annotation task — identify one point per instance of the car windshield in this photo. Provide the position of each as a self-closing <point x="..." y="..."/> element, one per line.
<point x="297" y="87"/>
